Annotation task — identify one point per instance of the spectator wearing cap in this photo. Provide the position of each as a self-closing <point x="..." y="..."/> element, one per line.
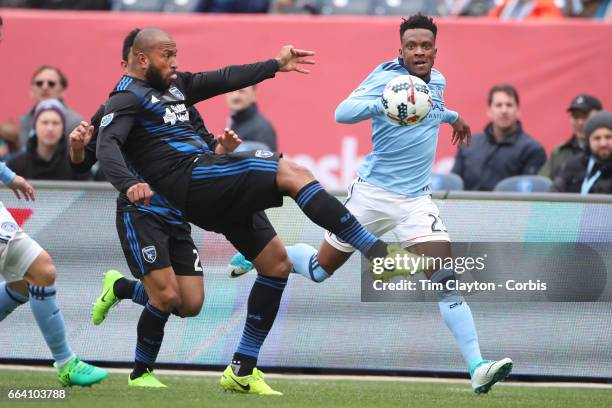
<point x="46" y="153"/>
<point x="503" y="150"/>
<point x="48" y="82"/>
<point x="581" y="107"/>
<point x="590" y="172"/>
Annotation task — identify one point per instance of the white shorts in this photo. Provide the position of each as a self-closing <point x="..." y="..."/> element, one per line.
<point x="17" y="249"/>
<point x="411" y="219"/>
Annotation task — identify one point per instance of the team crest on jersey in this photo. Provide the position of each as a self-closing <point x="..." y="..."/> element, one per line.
<point x="106" y="119"/>
<point x="175" y="92"/>
<point x="263" y="154"/>
<point x="9" y="227"/>
<point x="149" y="253"/>
<point x="176" y="113"/>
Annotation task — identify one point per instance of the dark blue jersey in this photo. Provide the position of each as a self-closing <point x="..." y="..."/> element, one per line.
<point x="151" y="129"/>
<point x="159" y="205"/>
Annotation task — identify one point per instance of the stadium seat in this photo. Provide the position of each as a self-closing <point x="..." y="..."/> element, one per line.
<point x="448" y="181"/>
<point x="403" y="7"/>
<point x="346" y="6"/>
<point x="138" y="5"/>
<point x="524" y="184"/>
<point x="252" y="146"/>
<point x="181" y="6"/>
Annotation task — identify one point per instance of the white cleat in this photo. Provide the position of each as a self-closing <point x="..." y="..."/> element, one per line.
<point x="490" y="372"/>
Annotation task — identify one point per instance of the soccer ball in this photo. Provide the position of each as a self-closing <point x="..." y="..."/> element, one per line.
<point x="406" y="100"/>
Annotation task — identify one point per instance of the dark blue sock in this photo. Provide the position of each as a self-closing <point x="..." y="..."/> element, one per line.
<point x="262" y="308"/>
<point x="150" y="336"/>
<point x="329" y="213"/>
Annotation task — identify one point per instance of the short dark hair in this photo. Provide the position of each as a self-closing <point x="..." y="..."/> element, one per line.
<point x="418" y="21"/>
<point x="128" y="42"/>
<point x="63" y="79"/>
<point x="505" y="88"/>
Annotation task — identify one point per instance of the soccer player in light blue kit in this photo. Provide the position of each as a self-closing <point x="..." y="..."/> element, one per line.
<point x="392" y="191"/>
<point x="26" y="267"/>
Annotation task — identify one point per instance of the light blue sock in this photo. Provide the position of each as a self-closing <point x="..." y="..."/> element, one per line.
<point x="51" y="322"/>
<point x="9" y="300"/>
<point x="304" y="260"/>
<point x="458" y="318"/>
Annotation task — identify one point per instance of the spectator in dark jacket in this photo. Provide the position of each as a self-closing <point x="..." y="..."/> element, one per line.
<point x="247" y="121"/>
<point x="590" y="172"/>
<point x="46" y="154"/>
<point x="581" y="107"/>
<point x="503" y="150"/>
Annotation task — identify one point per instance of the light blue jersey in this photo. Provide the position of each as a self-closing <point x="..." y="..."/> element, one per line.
<point x="6" y="175"/>
<point x="402" y="156"/>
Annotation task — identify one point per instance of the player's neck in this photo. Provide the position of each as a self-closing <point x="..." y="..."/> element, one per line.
<point x="135" y="74"/>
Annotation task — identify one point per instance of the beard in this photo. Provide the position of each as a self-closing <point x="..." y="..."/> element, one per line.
<point x="155" y="79"/>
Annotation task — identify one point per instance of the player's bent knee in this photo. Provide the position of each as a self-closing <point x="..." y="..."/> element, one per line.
<point x="292" y="176"/>
<point x="167" y="300"/>
<point x="42" y="272"/>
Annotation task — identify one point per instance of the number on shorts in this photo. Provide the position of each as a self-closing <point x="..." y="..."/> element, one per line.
<point x="196" y="264"/>
<point x="437" y="225"/>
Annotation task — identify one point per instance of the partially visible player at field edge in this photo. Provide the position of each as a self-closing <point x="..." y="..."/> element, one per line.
<point x="392" y="190"/>
<point x="146" y="124"/>
<point x="29" y="275"/>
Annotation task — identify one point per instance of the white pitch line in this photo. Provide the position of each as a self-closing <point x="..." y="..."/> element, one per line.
<point x="316" y="377"/>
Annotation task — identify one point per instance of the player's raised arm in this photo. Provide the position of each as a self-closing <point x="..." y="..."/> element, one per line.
<point x="363" y="103"/>
<point x="205" y="85"/>
<point x="115" y="126"/>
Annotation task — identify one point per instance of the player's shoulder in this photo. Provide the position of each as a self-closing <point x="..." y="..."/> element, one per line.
<point x="437" y="77"/>
<point x="392" y="66"/>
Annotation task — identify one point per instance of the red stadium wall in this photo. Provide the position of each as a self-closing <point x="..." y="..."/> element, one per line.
<point x="549" y="63"/>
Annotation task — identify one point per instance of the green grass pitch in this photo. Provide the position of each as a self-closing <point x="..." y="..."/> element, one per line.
<point x="204" y="391"/>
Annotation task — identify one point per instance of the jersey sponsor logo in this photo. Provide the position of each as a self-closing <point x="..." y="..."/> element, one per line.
<point x="154" y="99"/>
<point x="176" y="113"/>
<point x="263" y="154"/>
<point x="149" y="253"/>
<point x="107" y="119"/>
<point x="175" y="92"/>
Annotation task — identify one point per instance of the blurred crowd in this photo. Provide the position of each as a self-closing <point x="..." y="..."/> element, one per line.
<point x="503" y="9"/>
<point x="502" y="157"/>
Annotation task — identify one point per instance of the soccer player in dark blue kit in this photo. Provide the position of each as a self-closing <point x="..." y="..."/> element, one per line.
<point x="146" y="123"/>
<point x="158" y="248"/>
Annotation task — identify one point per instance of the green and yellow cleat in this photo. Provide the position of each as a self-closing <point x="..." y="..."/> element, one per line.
<point x="248" y="384"/>
<point x="107" y="299"/>
<point x="147" y="380"/>
<point x="409" y="264"/>
<point x="77" y="372"/>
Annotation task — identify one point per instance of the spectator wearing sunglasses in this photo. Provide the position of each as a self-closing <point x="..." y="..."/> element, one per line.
<point x="48" y="82"/>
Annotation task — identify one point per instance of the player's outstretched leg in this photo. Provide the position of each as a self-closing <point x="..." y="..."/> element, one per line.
<point x="115" y="287"/>
<point x="326" y="211"/>
<point x="71" y="370"/>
